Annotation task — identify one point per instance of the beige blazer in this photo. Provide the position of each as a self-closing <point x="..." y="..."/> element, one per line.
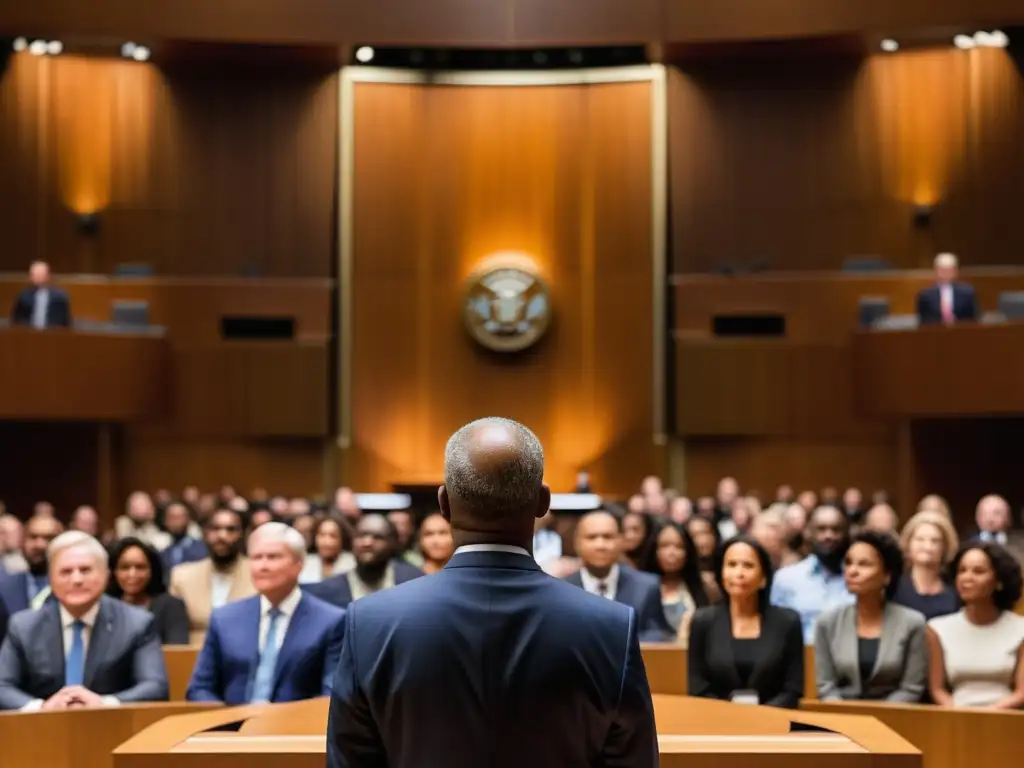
<point x="192" y="582"/>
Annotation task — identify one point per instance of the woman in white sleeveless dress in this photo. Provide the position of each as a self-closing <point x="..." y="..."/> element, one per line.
<point x="975" y="654"/>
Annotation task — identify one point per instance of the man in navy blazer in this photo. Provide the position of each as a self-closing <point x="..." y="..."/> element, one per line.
<point x="41" y="305"/>
<point x="599" y="546"/>
<point x="19" y="591"/>
<point x="282" y="644"/>
<point x="378" y="567"/>
<point x="948" y="301"/>
<point x="491" y="662"/>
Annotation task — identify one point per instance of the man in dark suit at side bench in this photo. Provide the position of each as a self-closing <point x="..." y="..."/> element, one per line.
<point x="948" y="301"/>
<point x="41" y="305"/>
<point x="491" y="662"/>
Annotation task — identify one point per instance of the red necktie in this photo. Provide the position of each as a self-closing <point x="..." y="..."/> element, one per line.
<point x="946" y="302"/>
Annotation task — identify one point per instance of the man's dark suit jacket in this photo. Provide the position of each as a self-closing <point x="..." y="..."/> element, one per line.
<point x="124" y="658"/>
<point x="490" y="662"/>
<point x="4" y="618"/>
<point x="58" y="308"/>
<point x="642" y="591"/>
<point x="778" y="676"/>
<point x="336" y="590"/>
<point x="929" y="304"/>
<point x="14" y="592"/>
<point x="306" y="662"/>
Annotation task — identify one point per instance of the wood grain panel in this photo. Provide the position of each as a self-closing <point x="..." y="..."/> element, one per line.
<point x="783" y="165"/>
<point x="561" y="173"/>
<point x="184" y="179"/>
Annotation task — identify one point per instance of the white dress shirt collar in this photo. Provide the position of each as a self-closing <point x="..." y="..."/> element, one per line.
<point x="509" y="548"/>
<point x="89" y="618"/>
<point x="286" y="607"/>
<point x="592" y="584"/>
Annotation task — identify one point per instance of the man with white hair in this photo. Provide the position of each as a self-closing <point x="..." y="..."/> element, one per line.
<point x="280" y="645"/>
<point x="491" y="662"/>
<point x="81" y="649"/>
<point x="947" y="301"/>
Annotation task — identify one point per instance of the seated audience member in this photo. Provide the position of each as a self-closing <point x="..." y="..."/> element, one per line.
<point x="261" y="516"/>
<point x="929" y="542"/>
<point x="705" y="538"/>
<point x="744" y="649"/>
<point x="948" y="301"/>
<point x="280" y="645"/>
<point x="853" y="505"/>
<point x="346" y="504"/>
<point x="42" y="304"/>
<point x="881" y="518"/>
<point x="137" y="577"/>
<point x="637" y="538"/>
<point x="935" y="503"/>
<point x="219" y="579"/>
<point x="377" y="565"/>
<point x="547" y="544"/>
<point x="139" y="521"/>
<point x="816" y="583"/>
<point x="674" y="561"/>
<point x="770" y="531"/>
<point x="808" y="500"/>
<point x="405" y="523"/>
<point x="332" y="537"/>
<point x="739" y="519"/>
<point x="86" y="520"/>
<point x="995" y="524"/>
<point x="680" y="509"/>
<point x="31" y="587"/>
<point x="84" y="648"/>
<point x="726" y="492"/>
<point x="306" y="525"/>
<point x="187" y="544"/>
<point x="873" y="649"/>
<point x="12" y="533"/>
<point x="976" y="655"/>
<point x="599" y="546"/>
<point x="435" y="542"/>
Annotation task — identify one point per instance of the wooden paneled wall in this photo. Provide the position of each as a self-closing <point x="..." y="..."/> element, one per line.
<point x="209" y="171"/>
<point x="800" y="163"/>
<point x="446" y="176"/>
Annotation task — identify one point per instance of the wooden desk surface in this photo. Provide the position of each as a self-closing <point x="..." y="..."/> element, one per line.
<point x="81" y="738"/>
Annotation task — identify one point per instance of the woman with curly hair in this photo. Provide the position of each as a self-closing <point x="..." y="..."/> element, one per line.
<point x="975" y="654"/>
<point x="873" y="649"/>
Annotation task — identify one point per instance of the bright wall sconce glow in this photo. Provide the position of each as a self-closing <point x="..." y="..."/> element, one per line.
<point x="964" y="42"/>
<point x="890" y="46"/>
<point x="54" y="47"/>
<point x="20" y="44"/>
<point x="364" y="54"/>
<point x="141" y="53"/>
<point x="996" y="39"/>
<point x="37" y="48"/>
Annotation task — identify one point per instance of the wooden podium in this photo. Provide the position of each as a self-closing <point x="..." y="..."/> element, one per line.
<point x="693" y="733"/>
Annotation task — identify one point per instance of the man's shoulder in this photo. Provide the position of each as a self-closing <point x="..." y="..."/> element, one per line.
<point x="24" y="623"/>
<point x="405" y="571"/>
<point x="321" y="608"/>
<point x="236" y="610"/>
<point x="648" y="580"/>
<point x="134" y="618"/>
<point x="793" y="572"/>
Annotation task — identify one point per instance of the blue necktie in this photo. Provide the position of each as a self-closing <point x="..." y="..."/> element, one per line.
<point x="75" y="662"/>
<point x="263" y="688"/>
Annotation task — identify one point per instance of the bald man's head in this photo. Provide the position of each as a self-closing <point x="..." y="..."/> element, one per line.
<point x="494" y="478"/>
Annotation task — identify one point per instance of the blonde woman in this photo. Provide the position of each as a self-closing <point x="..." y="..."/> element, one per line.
<point x="929" y="542"/>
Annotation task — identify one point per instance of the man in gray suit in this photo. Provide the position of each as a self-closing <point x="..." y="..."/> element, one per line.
<point x="83" y="649"/>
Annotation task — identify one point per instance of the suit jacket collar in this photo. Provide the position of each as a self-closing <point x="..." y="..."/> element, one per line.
<point x="102" y="633"/>
<point x="492" y="560"/>
<point x="286" y="655"/>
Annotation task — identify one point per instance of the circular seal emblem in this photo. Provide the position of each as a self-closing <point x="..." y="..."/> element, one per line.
<point x="507" y="308"/>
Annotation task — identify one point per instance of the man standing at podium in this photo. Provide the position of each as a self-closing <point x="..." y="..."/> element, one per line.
<point x="41" y="305"/>
<point x="491" y="662"/>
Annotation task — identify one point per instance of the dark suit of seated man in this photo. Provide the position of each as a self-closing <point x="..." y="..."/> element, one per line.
<point x="375" y="548"/>
<point x="948" y="301"/>
<point x="281" y="645"/>
<point x="83" y="648"/>
<point x="491" y="663"/>
<point x="599" y="546"/>
<point x="42" y="305"/>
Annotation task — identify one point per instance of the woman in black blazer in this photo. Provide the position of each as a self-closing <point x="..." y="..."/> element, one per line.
<point x="744" y="649"/>
<point x="137" y="577"/>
